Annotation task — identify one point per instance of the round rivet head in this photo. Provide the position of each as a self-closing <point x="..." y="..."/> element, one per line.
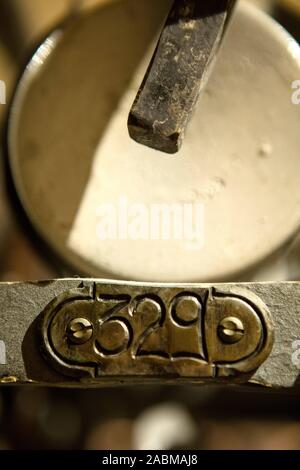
<point x="231" y="330"/>
<point x="80" y="330"/>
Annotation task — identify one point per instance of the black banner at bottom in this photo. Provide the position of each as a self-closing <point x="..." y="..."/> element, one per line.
<point x="142" y="459"/>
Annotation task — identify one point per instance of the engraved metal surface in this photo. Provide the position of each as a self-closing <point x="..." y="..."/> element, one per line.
<point x="92" y="333"/>
<point x="168" y="333"/>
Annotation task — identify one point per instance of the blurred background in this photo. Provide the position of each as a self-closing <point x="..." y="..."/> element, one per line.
<point x="128" y="418"/>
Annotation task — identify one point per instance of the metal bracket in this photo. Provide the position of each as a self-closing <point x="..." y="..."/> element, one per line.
<point x="77" y="332"/>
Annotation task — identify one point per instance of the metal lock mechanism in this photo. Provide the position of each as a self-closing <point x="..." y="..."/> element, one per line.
<point x="131" y="332"/>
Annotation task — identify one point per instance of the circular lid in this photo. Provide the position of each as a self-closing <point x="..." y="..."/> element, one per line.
<point x="114" y="208"/>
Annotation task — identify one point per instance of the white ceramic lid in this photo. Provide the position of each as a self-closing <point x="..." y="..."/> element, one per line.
<point x="70" y="151"/>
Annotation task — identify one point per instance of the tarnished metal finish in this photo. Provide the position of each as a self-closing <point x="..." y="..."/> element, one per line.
<point x="76" y="332"/>
<point x="231" y="330"/>
<point x="79" y="330"/>
<point x="155" y="333"/>
<point x="143" y="332"/>
<point x="178" y="72"/>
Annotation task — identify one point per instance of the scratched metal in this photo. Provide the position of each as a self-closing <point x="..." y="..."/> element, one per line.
<point x="144" y="333"/>
<point x="177" y="73"/>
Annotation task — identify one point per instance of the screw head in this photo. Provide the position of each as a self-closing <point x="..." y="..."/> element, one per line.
<point x="80" y="330"/>
<point x="231" y="330"/>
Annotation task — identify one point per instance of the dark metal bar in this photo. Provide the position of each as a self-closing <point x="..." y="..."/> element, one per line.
<point x="177" y="73"/>
<point x="91" y="333"/>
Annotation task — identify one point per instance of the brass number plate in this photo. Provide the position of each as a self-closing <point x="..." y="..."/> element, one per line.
<point x="138" y="332"/>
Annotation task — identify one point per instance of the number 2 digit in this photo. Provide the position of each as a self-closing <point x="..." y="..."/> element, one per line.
<point x="147" y="307"/>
